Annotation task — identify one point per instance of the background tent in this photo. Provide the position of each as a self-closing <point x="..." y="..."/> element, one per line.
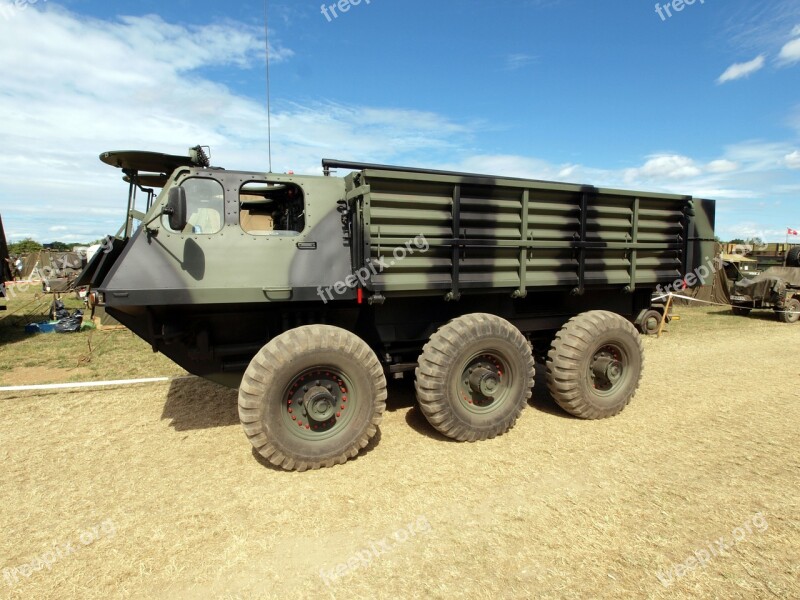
<point x="58" y="264"/>
<point x="717" y="286"/>
<point x="717" y="289"/>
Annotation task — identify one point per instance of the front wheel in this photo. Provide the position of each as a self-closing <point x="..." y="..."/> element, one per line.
<point x="474" y="378"/>
<point x="313" y="397"/>
<point x="791" y="311"/>
<point x="595" y="364"/>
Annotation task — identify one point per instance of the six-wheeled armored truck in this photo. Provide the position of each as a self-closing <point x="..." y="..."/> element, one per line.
<point x="306" y="292"/>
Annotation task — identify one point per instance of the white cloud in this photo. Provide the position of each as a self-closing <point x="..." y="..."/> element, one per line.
<point x="793" y="160"/>
<point x="518" y="61"/>
<point x="750" y="229"/>
<point x="790" y="53"/>
<point x="670" y="166"/>
<point x="512" y="166"/>
<point x="759" y="156"/>
<point x="796" y="31"/>
<point x="722" y="193"/>
<point x="18" y="236"/>
<point x="740" y="70"/>
<point x="722" y="166"/>
<point x="756" y="26"/>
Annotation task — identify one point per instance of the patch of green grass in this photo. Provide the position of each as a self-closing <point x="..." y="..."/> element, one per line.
<point x="88" y="355"/>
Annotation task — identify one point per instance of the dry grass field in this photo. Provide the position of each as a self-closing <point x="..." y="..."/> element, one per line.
<point x="153" y="491"/>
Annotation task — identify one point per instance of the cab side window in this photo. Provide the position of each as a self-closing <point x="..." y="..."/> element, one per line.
<point x="205" y="206"/>
<point x="276" y="209"/>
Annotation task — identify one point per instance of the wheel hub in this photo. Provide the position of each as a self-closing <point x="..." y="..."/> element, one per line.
<point x="320" y="404"/>
<point x="317" y="404"/>
<point x="607" y="370"/>
<point x="484" y="381"/>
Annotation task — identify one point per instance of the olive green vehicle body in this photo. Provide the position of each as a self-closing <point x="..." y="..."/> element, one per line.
<point x="391" y="255"/>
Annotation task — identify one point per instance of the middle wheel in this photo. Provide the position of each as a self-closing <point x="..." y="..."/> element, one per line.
<point x="474" y="377"/>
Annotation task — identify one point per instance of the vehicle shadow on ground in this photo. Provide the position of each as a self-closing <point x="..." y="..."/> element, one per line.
<point x="194" y="403"/>
<point x="542" y="400"/>
<point x="402" y="396"/>
<point x="373" y="443"/>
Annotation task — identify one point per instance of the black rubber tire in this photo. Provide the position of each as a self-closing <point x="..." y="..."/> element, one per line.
<point x="267" y="381"/>
<point x="791" y="311"/>
<point x="569" y="364"/>
<point x="793" y="257"/>
<point x="647" y="326"/>
<point x="443" y="361"/>
<point x="741" y="312"/>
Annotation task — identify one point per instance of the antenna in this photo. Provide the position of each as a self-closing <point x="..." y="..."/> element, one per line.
<point x="269" y="106"/>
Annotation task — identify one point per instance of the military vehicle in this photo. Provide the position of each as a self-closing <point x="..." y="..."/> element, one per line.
<point x="306" y="292"/>
<point x="777" y="288"/>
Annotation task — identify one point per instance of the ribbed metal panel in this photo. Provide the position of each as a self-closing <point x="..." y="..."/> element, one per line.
<point x="517" y="235"/>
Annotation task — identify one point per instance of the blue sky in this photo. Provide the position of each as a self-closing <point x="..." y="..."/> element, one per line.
<point x="703" y="102"/>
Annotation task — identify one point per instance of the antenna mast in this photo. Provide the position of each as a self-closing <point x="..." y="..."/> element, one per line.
<point x="269" y="106"/>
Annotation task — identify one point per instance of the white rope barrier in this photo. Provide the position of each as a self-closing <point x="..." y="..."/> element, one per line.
<point x="88" y="384"/>
<point x="689" y="298"/>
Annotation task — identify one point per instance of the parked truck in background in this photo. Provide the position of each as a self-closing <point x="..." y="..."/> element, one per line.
<point x="306" y="292"/>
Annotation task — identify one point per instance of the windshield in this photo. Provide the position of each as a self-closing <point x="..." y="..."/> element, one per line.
<point x="205" y="205"/>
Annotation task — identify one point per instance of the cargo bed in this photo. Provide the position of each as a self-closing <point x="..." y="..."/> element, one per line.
<point x="519" y="236"/>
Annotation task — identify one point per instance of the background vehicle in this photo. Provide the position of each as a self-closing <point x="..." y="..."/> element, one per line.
<point x="777" y="288"/>
<point x="305" y="292"/>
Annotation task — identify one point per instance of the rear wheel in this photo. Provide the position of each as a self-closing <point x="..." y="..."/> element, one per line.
<point x="474" y="377"/>
<point x="595" y="365"/>
<point x="312" y="397"/>
<point x="791" y="311"/>
<point x="740" y="311"/>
